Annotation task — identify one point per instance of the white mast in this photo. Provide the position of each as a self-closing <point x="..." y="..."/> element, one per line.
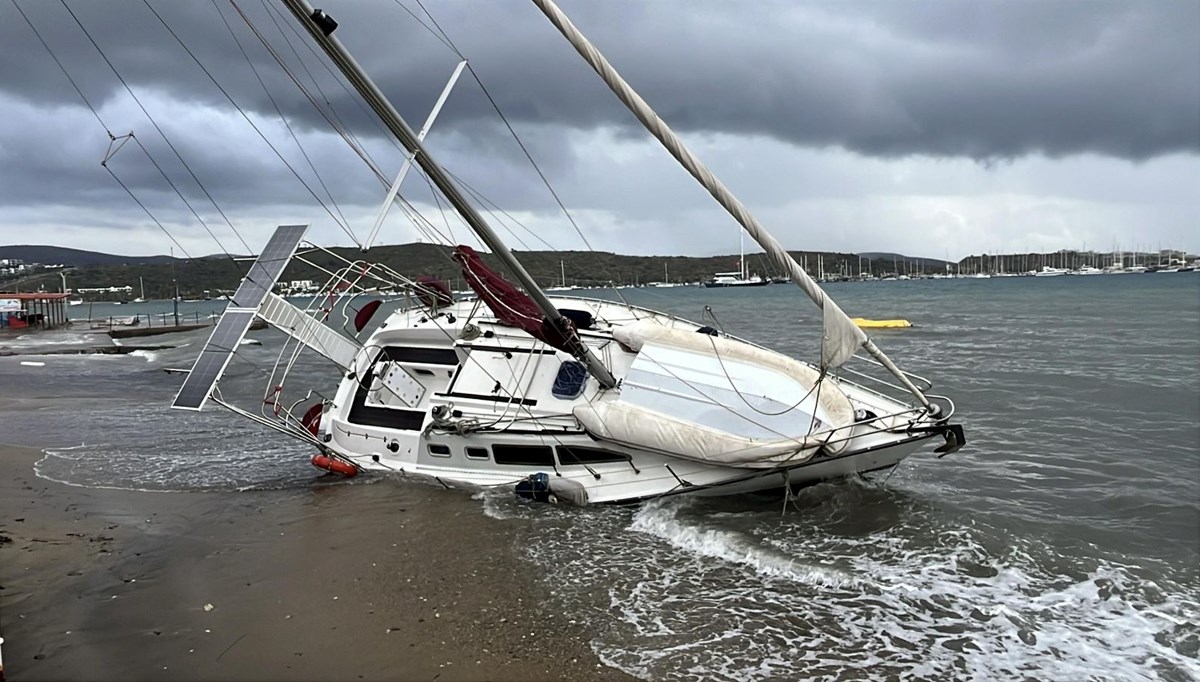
<point x="741" y="254"/>
<point x="841" y="338"/>
<point x="321" y="27"/>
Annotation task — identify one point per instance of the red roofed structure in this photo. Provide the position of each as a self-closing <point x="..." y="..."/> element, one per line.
<point x="40" y="310"/>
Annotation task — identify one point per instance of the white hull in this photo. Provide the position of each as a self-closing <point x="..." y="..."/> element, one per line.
<point x="472" y="379"/>
<point x="618" y="483"/>
<point x="1048" y="271"/>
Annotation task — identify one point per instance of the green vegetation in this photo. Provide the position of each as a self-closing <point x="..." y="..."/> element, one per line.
<point x="209" y="277"/>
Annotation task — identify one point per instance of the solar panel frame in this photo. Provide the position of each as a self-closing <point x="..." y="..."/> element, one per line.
<point x="213" y="359"/>
<point x="269" y="265"/>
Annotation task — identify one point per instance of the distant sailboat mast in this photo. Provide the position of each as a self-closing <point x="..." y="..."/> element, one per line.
<point x="841" y="337"/>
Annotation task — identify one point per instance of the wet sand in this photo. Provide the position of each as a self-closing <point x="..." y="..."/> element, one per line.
<point x="367" y="581"/>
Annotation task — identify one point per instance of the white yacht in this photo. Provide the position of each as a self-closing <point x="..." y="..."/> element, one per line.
<point x="1048" y="271"/>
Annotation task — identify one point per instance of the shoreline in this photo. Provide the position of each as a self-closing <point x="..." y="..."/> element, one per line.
<point x="379" y="580"/>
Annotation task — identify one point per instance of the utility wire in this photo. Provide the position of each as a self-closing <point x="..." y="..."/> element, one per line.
<point x="62" y="68"/>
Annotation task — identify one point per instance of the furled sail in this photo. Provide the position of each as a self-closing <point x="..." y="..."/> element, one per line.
<point x="513" y="306"/>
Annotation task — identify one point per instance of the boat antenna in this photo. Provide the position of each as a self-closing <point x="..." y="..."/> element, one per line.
<point x="841" y="338"/>
<point x="321" y="26"/>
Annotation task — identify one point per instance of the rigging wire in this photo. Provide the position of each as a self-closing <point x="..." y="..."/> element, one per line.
<point x="345" y="227"/>
<point x="507" y="124"/>
<point x="277" y="17"/>
<point x="112" y="138"/>
<point x="155" y="124"/>
<point x="348" y="138"/>
<point x="525" y="150"/>
<point x="439" y="34"/>
<point x="279" y="111"/>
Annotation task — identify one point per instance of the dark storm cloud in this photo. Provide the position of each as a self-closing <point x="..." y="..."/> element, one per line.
<point x="770" y="93"/>
<point x="981" y="79"/>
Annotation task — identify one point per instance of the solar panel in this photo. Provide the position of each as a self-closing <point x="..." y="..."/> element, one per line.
<point x="215" y="355"/>
<point x="238" y="316"/>
<point x="270" y="264"/>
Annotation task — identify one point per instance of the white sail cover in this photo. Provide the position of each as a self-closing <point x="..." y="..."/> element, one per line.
<point x="719" y="401"/>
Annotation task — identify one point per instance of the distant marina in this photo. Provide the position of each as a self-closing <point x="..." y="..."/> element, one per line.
<point x="578" y="271"/>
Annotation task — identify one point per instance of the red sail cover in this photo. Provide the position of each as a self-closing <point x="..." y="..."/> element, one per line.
<point x="512" y="305"/>
<point x="433" y="292"/>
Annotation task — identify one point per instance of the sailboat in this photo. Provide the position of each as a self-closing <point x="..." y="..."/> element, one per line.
<point x="667" y="283"/>
<point x="142" y="292"/>
<point x="564" y="287"/>
<point x="567" y="399"/>
<point x="741" y="278"/>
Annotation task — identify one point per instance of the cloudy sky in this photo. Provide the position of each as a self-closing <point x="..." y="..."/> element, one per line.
<point x="925" y="127"/>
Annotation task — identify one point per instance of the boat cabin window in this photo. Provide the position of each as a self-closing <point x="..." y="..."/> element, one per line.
<point x="421" y="355"/>
<point x="571" y="454"/>
<point x="523" y="455"/>
<point x="477" y="453"/>
<point x="439" y="449"/>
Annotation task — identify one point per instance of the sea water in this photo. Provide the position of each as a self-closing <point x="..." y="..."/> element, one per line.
<point x="1061" y="543"/>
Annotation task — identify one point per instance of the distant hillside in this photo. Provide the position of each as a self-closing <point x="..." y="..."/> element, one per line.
<point x="60" y="255"/>
<point x="887" y="256"/>
<point x="210" y="275"/>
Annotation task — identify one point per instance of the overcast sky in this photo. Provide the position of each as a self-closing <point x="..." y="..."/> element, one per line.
<point x="928" y="128"/>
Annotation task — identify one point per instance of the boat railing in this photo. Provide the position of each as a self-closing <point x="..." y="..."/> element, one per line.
<point x="863" y="376"/>
<point x="923" y="383"/>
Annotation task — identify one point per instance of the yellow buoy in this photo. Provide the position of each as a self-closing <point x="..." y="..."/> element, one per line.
<point x="864" y="323"/>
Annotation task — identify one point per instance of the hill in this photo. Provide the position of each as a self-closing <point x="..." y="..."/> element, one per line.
<point x="61" y="255"/>
<point x="205" y="277"/>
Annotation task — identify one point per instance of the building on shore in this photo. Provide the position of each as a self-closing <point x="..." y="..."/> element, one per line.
<point x="33" y="311"/>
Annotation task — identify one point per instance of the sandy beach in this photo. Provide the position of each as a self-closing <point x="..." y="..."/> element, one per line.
<point x="382" y="580"/>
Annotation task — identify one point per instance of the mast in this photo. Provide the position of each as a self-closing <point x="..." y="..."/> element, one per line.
<point x="741" y="254"/>
<point x="321" y="27"/>
<point x="841" y="338"/>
